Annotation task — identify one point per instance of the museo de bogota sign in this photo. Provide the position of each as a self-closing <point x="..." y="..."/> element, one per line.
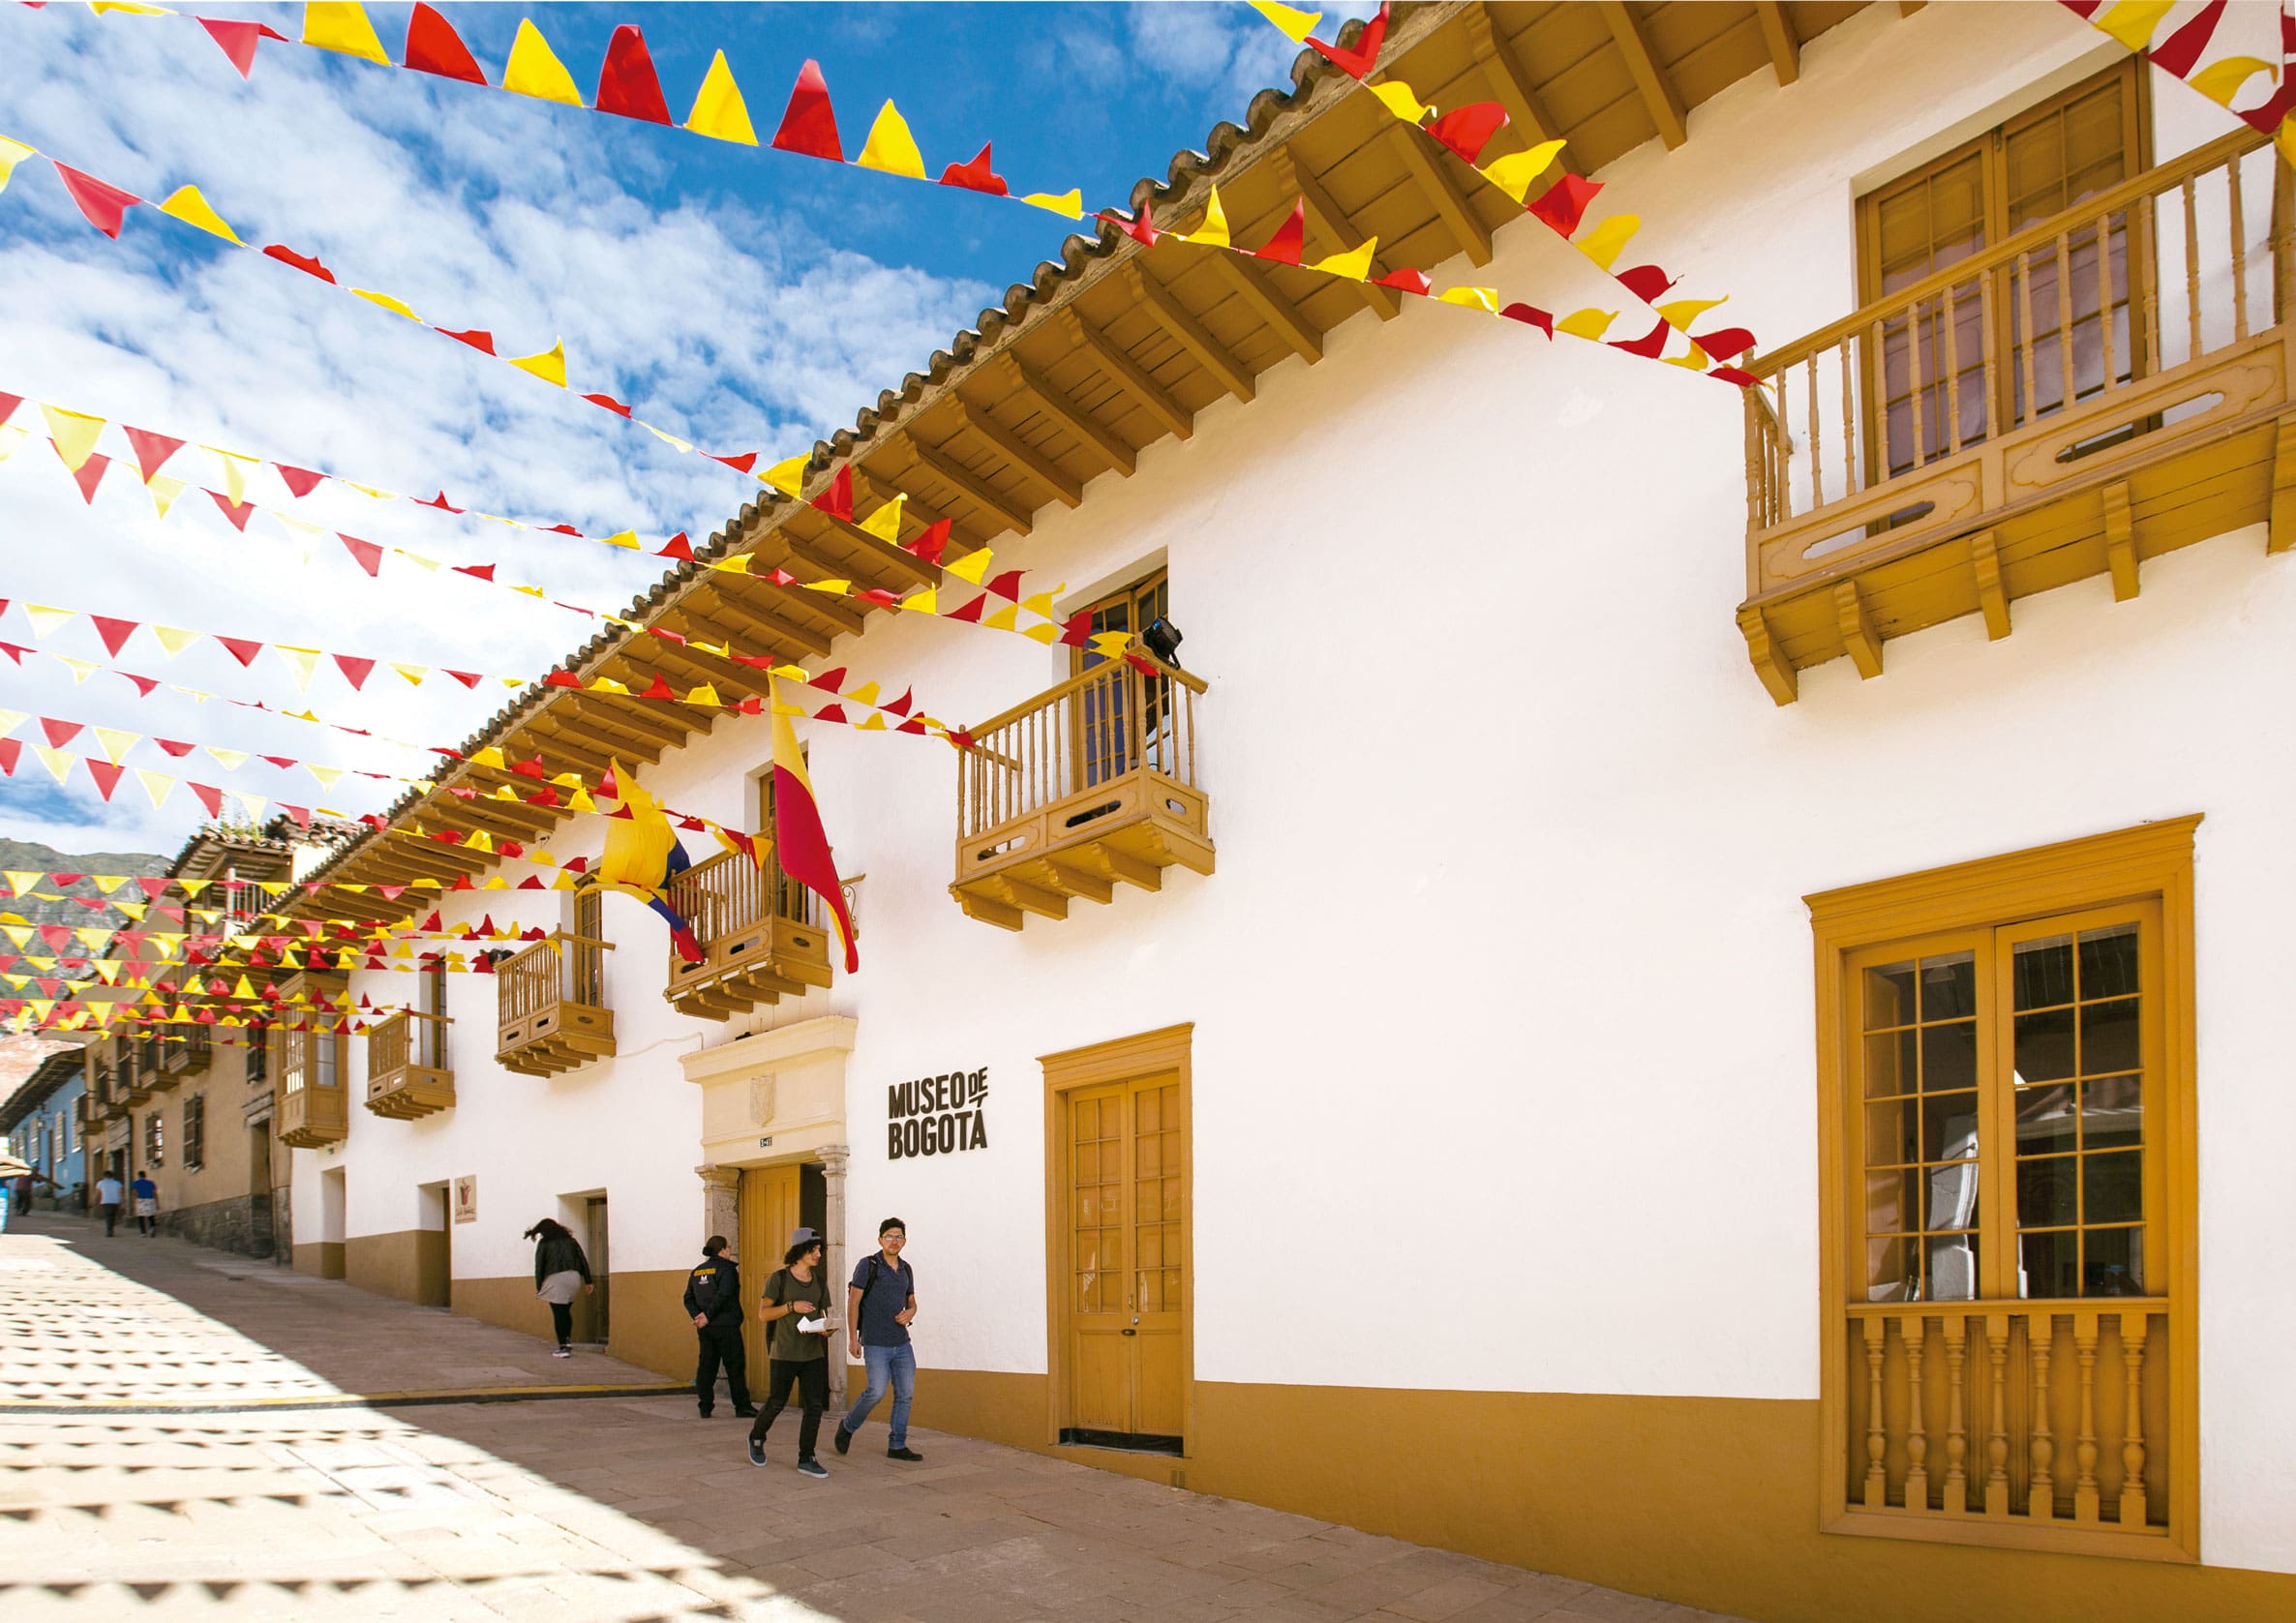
<point x="937" y="1115"/>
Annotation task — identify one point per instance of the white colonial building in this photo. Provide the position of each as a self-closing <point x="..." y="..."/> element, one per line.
<point x="1682" y="990"/>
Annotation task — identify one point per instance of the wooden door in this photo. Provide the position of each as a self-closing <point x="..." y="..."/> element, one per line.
<point x="600" y="1323"/>
<point x="1127" y="1166"/>
<point x="770" y="1202"/>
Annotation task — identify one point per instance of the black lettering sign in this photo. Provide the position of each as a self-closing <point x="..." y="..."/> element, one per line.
<point x="937" y="1115"/>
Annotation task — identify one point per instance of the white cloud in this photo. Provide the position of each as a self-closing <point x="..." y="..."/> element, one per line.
<point x="723" y="321"/>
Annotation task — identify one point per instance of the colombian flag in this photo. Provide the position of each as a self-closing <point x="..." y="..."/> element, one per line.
<point x="640" y="855"/>
<point x="800" y="845"/>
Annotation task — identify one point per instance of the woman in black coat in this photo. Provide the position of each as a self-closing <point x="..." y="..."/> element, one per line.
<point x="559" y="1271"/>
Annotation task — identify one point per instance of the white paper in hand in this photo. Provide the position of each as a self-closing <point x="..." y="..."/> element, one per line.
<point x="812" y="1327"/>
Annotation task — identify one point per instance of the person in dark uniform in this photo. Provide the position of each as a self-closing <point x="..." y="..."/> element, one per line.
<point x="713" y="1302"/>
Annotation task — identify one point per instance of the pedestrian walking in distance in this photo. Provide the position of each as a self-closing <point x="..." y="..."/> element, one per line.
<point x="560" y="1271"/>
<point x="147" y="1204"/>
<point x="713" y="1302"/>
<point x="797" y="1356"/>
<point x="880" y="1306"/>
<point x="108" y="1202"/>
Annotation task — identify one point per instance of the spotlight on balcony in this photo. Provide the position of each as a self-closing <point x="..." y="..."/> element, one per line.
<point x="1164" y="641"/>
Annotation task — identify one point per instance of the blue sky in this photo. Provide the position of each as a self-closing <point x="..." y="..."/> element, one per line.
<point x="742" y="297"/>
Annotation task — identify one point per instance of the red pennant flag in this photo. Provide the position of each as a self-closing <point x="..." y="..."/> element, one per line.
<point x="369" y="554"/>
<point x="827" y="680"/>
<point x="607" y="400"/>
<point x="1650" y="346"/>
<point x="282" y="761"/>
<point x="154" y="888"/>
<point x="561" y="529"/>
<point x="59" y="733"/>
<point x="977" y="176"/>
<point x="745" y="462"/>
<point x="677" y="547"/>
<point x="237" y="40"/>
<point x="1530" y="316"/>
<point x="300" y="480"/>
<point x="238" y="512"/>
<point x="301" y="814"/>
<point x="1563" y="204"/>
<point x="242" y="649"/>
<point x="1283" y="248"/>
<point x="152" y="450"/>
<point x="970" y="614"/>
<point x="1467" y="131"/>
<point x="15" y="652"/>
<point x="1725" y="344"/>
<point x="1359" y="62"/>
<point x="530" y="767"/>
<point x="90" y="474"/>
<point x="1732" y="374"/>
<point x="626" y="82"/>
<point x="304" y="263"/>
<point x="9" y="403"/>
<point x="809" y="124"/>
<point x="115" y="633"/>
<point x="477" y="337"/>
<point x="2179" y="53"/>
<point x="107" y="775"/>
<point x="441" y="502"/>
<point x="143" y="684"/>
<point x="209" y="796"/>
<point x="837" y="500"/>
<point x="175" y="747"/>
<point x="899" y="706"/>
<point x="933" y="542"/>
<point x="561" y="679"/>
<point x="659" y="689"/>
<point x="831" y="712"/>
<point x="878" y="597"/>
<point x="1406" y="281"/>
<point x="1646" y="283"/>
<point x="432" y="47"/>
<point x="1006" y="584"/>
<point x="104" y="204"/>
<point x="1140" y="228"/>
<point x="477" y="571"/>
<point x="469" y="679"/>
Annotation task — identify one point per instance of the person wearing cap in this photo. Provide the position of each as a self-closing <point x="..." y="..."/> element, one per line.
<point x="795" y="1355"/>
<point x="880" y="1303"/>
<point x="713" y="1302"/>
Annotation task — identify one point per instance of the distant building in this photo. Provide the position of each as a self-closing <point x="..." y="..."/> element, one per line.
<point x="41" y="1121"/>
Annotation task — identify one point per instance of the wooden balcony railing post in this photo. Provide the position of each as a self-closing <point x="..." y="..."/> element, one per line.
<point x="2134" y="1514"/>
<point x="2192" y="270"/>
<point x="1997" y="1446"/>
<point x="2240" y="251"/>
<point x="1817" y="468"/>
<point x="2084" y="1453"/>
<point x="1952" y="375"/>
<point x="1876" y="1440"/>
<point x="1916" y="1437"/>
<point x="1956" y="1422"/>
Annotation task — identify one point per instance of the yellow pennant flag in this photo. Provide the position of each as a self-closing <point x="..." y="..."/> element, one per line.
<point x="115" y="742"/>
<point x="11" y="436"/>
<point x="549" y="366"/>
<point x="874" y="722"/>
<point x="837" y="588"/>
<point x="232" y="759"/>
<point x="1004" y="620"/>
<point x="301" y="661"/>
<point x="1604" y="243"/>
<point x="189" y="205"/>
<point x="342" y="25"/>
<point x="1399" y="99"/>
<point x="1068" y="205"/>
<point x="74" y="434"/>
<point x="1044" y="634"/>
<point x="1588" y="323"/>
<point x="234" y="466"/>
<point x="1484" y="299"/>
<point x="890" y="147"/>
<point x="396" y="308"/>
<point x="534" y="70"/>
<point x="58" y="763"/>
<point x="109" y="883"/>
<point x="718" y="110"/>
<point x="926" y="602"/>
<point x="491" y="756"/>
<point x="46" y="619"/>
<point x="414" y="673"/>
<point x="885" y="522"/>
<point x="1680" y="312"/>
<point x="1514" y="173"/>
<point x="1213" y="232"/>
<point x="787" y="476"/>
<point x="172" y="639"/>
<point x="971" y="567"/>
<point x="665" y="439"/>
<point x="1356" y="265"/>
<point x="704" y="694"/>
<point x="2133" y="21"/>
<point x="1294" y="24"/>
<point x="2220" y="82"/>
<point x="156" y="785"/>
<point x="623" y="538"/>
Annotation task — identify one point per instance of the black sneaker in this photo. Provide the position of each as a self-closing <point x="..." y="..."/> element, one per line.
<point x="757" y="1450"/>
<point x="810" y="1468"/>
<point x="705" y="1413"/>
<point x="908" y="1454"/>
<point x="844" y="1439"/>
<point x="745" y="1414"/>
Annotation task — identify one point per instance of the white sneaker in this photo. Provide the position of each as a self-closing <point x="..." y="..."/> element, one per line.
<point x="562" y="1352"/>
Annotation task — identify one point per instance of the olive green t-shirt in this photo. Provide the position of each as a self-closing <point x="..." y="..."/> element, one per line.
<point x="783" y="1341"/>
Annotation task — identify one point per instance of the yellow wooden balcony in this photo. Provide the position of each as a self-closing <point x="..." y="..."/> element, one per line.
<point x="189" y="1053"/>
<point x="2102" y="387"/>
<point x="764" y="937"/>
<point x="309" y="1118"/>
<point x="308" y="1104"/>
<point x="1089" y="784"/>
<point x="550" y="1002"/>
<point x="406" y="1070"/>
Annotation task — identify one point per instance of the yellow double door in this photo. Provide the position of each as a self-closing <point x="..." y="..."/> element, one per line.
<point x="1125" y="1178"/>
<point x="770" y="1204"/>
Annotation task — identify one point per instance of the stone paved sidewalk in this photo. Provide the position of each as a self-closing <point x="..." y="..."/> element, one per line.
<point x="615" y="1508"/>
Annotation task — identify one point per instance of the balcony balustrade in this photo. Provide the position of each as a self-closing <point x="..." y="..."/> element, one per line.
<point x="2099" y="388"/>
<point x="308" y="1109"/>
<point x="1088" y="784"/>
<point x="764" y="937"/>
<point x="550" y="1006"/>
<point x="406" y="1070"/>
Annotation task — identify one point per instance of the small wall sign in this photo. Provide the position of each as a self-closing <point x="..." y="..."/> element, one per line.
<point x="937" y="1115"/>
<point x="466" y="1199"/>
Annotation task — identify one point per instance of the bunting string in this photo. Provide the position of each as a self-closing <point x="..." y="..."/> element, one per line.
<point x="2135" y="22"/>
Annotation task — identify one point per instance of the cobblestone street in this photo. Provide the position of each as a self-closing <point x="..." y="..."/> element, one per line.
<point x="192" y="1435"/>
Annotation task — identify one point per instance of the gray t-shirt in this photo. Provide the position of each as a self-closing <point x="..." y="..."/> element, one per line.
<point x="885" y="1292"/>
<point x="108" y="1191"/>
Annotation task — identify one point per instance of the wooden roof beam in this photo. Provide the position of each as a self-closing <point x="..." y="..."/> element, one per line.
<point x="946" y="469"/>
<point x="1186" y="331"/>
<point x="639" y="722"/>
<point x="1441" y="189"/>
<point x="846" y="616"/>
<point x="901" y="568"/>
<point x="1032" y="463"/>
<point x="599" y="732"/>
<point x="960" y="537"/>
<point x="1144" y="390"/>
<point x="1330" y="221"/>
<point x="1526" y="112"/>
<point x="1071" y="417"/>
<point x="1278" y="311"/>
<point x="1778" y="33"/>
<point x="752" y="623"/>
<point x="1660" y="98"/>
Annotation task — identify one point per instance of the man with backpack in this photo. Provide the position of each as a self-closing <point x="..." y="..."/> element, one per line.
<point x="713" y="1302"/>
<point x="880" y="1305"/>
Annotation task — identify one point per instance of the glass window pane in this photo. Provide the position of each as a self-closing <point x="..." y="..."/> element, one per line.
<point x="1890" y="995"/>
<point x="1952" y="1267"/>
<point x="2116" y="1261"/>
<point x="1949" y="1057"/>
<point x="2043" y="972"/>
<point x="2045" y="1119"/>
<point x="1950" y="986"/>
<point x="2047" y="1190"/>
<point x="1948" y="1127"/>
<point x="1891" y="1134"/>
<point x="1893" y="1202"/>
<point x="2112" y="1112"/>
<point x="2109" y="1037"/>
<point x="1892" y="1063"/>
<point x="2051" y="1262"/>
<point x="1953" y="1196"/>
<point x="2113" y="1187"/>
<point x="2108" y="963"/>
<point x="1889" y="1274"/>
<point x="2044" y="1046"/>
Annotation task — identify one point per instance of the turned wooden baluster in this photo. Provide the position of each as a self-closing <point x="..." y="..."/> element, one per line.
<point x="1877" y="404"/>
<point x="1912" y="361"/>
<point x="2040" y="1334"/>
<point x="1782" y="447"/>
<point x="1987" y="337"/>
<point x="2283" y="242"/>
<point x="2132" y="1440"/>
<point x="1848" y="424"/>
<point x="1877" y="1441"/>
<point x="2084" y="1453"/>
<point x="1956" y="1426"/>
<point x="1997" y="1446"/>
<point x="2065" y="313"/>
<point x="2104" y="294"/>
<point x="1952" y="375"/>
<point x="1917" y="1440"/>
<point x="2031" y="387"/>
<point x="2240" y="251"/>
<point x="2191" y="272"/>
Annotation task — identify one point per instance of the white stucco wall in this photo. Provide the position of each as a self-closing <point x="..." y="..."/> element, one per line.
<point x="1505" y="965"/>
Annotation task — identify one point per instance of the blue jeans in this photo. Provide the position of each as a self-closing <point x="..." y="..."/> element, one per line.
<point x="897" y="1366"/>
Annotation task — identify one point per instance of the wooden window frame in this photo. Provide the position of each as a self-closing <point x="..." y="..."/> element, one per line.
<point x="2150" y="862"/>
<point x="195" y="1132"/>
<point x="1120" y="1060"/>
